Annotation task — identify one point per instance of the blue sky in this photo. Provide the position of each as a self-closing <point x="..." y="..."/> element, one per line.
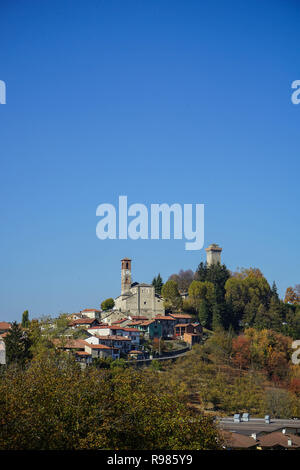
<point x="162" y="101"/>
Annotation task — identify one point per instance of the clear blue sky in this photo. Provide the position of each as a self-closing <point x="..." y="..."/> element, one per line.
<point x="162" y="101"/>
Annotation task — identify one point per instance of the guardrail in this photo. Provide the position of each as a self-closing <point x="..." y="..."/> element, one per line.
<point x="164" y="357"/>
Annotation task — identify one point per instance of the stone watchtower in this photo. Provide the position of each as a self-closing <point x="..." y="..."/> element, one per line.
<point x="213" y="254"/>
<point x="125" y="275"/>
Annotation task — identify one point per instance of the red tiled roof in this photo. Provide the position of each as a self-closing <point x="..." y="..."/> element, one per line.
<point x="163" y="317"/>
<point x="69" y="343"/>
<point x="135" y="352"/>
<point x="119" y="321"/>
<point x="133" y="330"/>
<point x="146" y="323"/>
<point x="99" y="327"/>
<point x="180" y="315"/>
<point x="113" y="337"/>
<point x="181" y="325"/>
<point x="83" y="321"/>
<point x="4" y="325"/>
<point x="99" y="346"/>
<point x="139" y="318"/>
<point x="90" y="310"/>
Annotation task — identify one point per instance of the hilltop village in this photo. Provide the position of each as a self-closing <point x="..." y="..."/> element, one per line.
<point x="217" y="343"/>
<point x="138" y="326"/>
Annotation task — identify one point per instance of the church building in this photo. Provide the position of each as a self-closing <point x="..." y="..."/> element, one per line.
<point x="137" y="299"/>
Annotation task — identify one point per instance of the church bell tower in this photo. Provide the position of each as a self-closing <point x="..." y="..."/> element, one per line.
<point x="125" y="275"/>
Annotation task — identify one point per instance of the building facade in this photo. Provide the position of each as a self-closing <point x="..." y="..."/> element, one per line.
<point x="137" y="299"/>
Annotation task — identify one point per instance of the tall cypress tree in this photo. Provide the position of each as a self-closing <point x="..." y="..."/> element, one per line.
<point x="158" y="284"/>
<point x="25" y="319"/>
<point x="17" y="345"/>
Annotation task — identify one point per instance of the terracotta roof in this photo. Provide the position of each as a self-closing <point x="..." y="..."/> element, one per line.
<point x="180" y="315"/>
<point x="99" y="346"/>
<point x="5" y="325"/>
<point x="69" y="343"/>
<point x="119" y="321"/>
<point x="83" y="321"/>
<point x="139" y="318"/>
<point x="240" y="441"/>
<point x="146" y="323"/>
<point x="132" y="330"/>
<point x="135" y="352"/>
<point x="82" y="353"/>
<point x="163" y="317"/>
<point x="181" y="325"/>
<point x="278" y="438"/>
<point x="99" y="327"/>
<point x="113" y="337"/>
<point x="91" y="310"/>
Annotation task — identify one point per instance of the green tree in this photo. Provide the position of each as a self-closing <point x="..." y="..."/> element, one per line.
<point x="25" y="319"/>
<point x="17" y="345"/>
<point x="108" y="304"/>
<point x="171" y="295"/>
<point x="279" y="403"/>
<point x="274" y="292"/>
<point x="102" y="409"/>
<point x="158" y="284"/>
<point x="205" y="314"/>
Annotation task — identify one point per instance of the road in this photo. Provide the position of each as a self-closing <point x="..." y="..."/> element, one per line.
<point x="257" y="425"/>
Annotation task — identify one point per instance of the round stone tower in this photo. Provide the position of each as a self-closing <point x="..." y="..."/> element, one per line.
<point x="213" y="254"/>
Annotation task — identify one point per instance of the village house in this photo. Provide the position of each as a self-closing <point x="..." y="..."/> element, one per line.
<point x="75" y="346"/>
<point x="74" y="316"/>
<point x="182" y="328"/>
<point x="151" y="328"/>
<point x="167" y="325"/>
<point x="192" y="338"/>
<point x="136" y="355"/>
<point x="275" y="440"/>
<point x="83" y="323"/>
<point x="4" y="327"/>
<point x="116" y="330"/>
<point x="68" y="345"/>
<point x="122" y="343"/>
<point x="181" y="317"/>
<point x="102" y="351"/>
<point x="83" y="357"/>
<point x="91" y="313"/>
